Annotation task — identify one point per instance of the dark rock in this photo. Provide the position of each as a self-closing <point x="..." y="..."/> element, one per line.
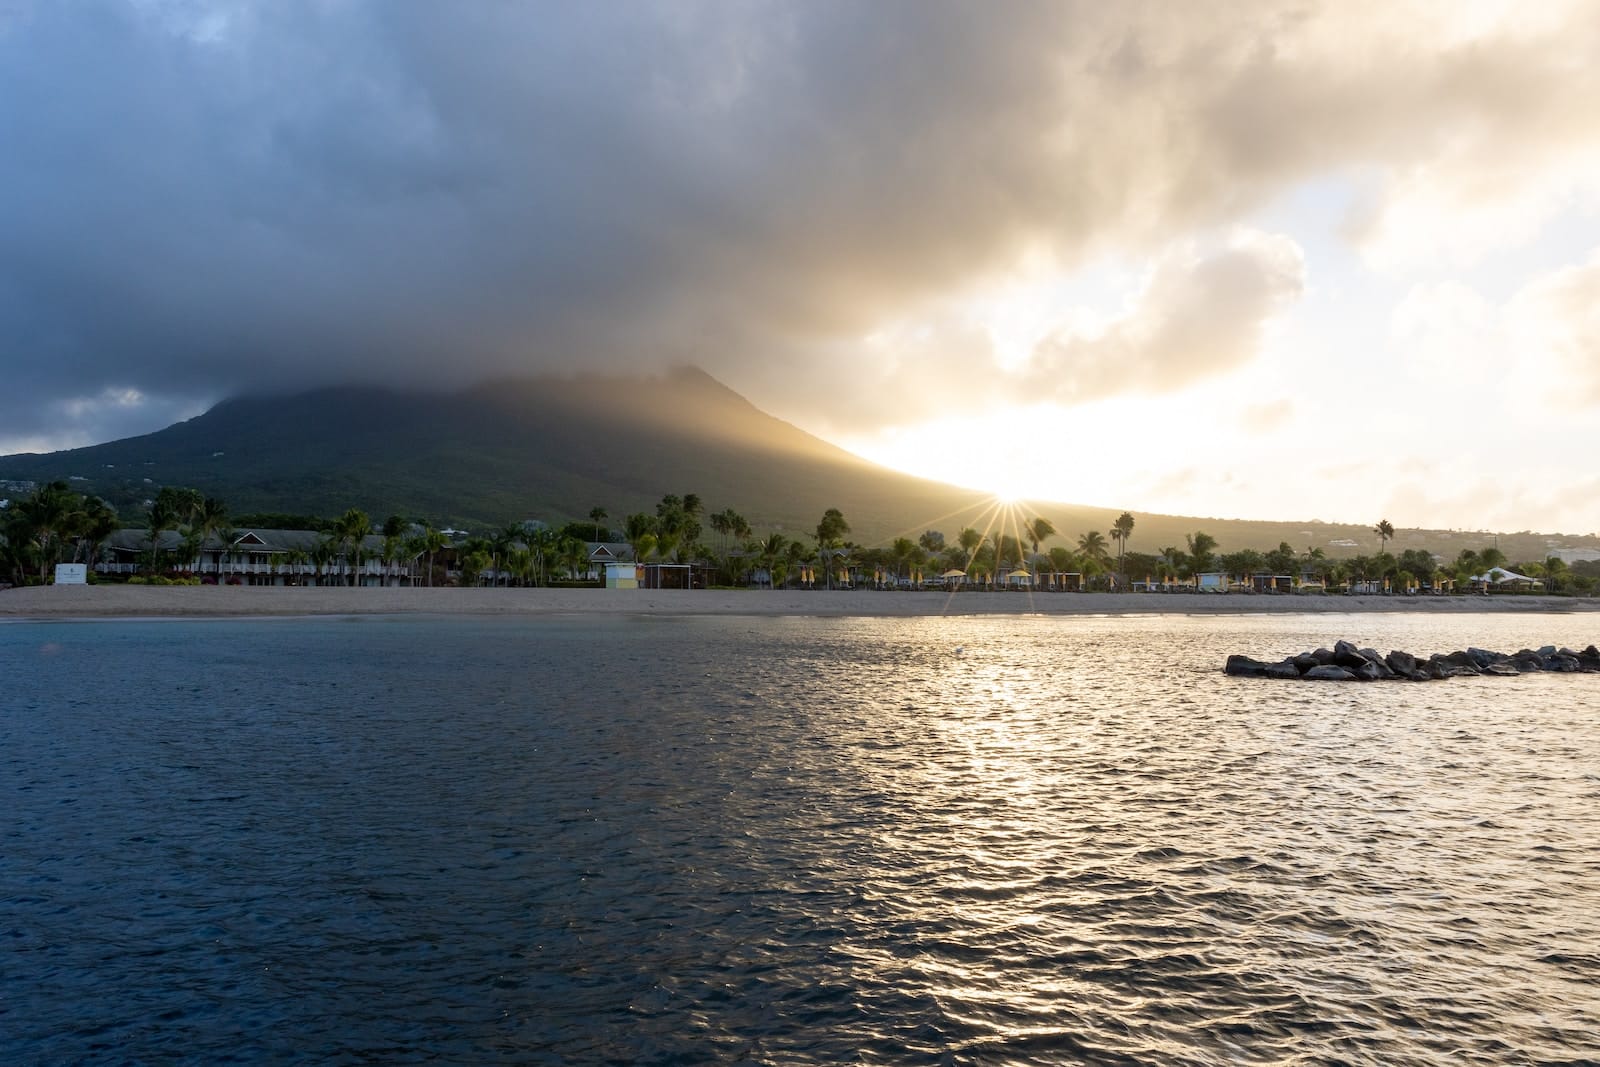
<point x="1329" y="673"/>
<point x="1528" y="660"/>
<point x="1245" y="667"/>
<point x="1347" y="655"/>
<point x="1401" y="662"/>
<point x="1346" y="662"/>
<point x="1370" y="671"/>
<point x="1447" y="671"/>
<point x="1461" y="661"/>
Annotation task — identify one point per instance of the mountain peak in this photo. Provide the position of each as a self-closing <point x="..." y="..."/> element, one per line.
<point x="549" y="447"/>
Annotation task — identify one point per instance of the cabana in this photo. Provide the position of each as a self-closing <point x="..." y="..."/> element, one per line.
<point x="667" y="576"/>
<point x="1500" y="578"/>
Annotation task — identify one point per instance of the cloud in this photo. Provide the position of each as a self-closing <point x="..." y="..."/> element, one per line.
<point x="1197" y="317"/>
<point x="1447" y="333"/>
<point x="204" y="198"/>
<point x="1456" y="496"/>
<point x="1544" y="341"/>
<point x="1557" y="317"/>
<point x="1267" y="418"/>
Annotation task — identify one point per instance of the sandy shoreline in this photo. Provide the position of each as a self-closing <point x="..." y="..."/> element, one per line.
<point x="122" y="601"/>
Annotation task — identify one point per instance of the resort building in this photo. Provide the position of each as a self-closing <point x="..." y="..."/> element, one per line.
<point x="257" y="557"/>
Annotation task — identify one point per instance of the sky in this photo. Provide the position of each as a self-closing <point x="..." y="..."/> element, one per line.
<point x="1287" y="260"/>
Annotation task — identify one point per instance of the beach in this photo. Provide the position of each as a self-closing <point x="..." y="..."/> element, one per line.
<point x="133" y="601"/>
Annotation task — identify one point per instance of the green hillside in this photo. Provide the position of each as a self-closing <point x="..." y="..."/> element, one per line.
<point x="553" y="448"/>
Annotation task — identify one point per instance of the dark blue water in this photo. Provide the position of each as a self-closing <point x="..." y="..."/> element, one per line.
<point x="790" y="841"/>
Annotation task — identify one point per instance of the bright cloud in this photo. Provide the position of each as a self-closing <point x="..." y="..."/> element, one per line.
<point x="1557" y="320"/>
<point x="860" y="215"/>
<point x="1196" y="317"/>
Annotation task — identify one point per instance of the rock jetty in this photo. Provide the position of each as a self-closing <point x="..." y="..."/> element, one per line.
<point x="1347" y="663"/>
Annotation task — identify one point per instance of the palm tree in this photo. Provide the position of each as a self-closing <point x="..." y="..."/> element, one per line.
<point x="1555" y="569"/>
<point x="433" y="541"/>
<point x="728" y="524"/>
<point x="543" y="542"/>
<point x="571" y="554"/>
<point x="1039" y="530"/>
<point x="771" y="556"/>
<point x="161" y="517"/>
<point x="1061" y="561"/>
<point x="1171" y="562"/>
<point x="1201" y="546"/>
<point x="322" y="555"/>
<point x="190" y="545"/>
<point x="171" y="508"/>
<point x="901" y="552"/>
<point x="47" y="519"/>
<point x="1385" y="533"/>
<point x="294" y="559"/>
<point x="793" y="556"/>
<point x="500" y="545"/>
<point x="639" y="529"/>
<point x="830" y="535"/>
<point x="350" y="532"/>
<point x="390" y="552"/>
<point x="1092" y="546"/>
<point x="209" y="518"/>
<point x="597" y="515"/>
<point x="519" y="563"/>
<point x="474" y="558"/>
<point x="99" y="522"/>
<point x="1119" y="533"/>
<point x="721" y="526"/>
<point x="969" y="540"/>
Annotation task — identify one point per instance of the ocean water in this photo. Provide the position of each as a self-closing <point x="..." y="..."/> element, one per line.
<point x="1019" y="840"/>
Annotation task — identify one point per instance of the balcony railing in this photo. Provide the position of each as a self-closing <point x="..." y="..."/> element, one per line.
<point x="298" y="570"/>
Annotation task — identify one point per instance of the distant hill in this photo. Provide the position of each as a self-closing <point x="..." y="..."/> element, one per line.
<point x="553" y="448"/>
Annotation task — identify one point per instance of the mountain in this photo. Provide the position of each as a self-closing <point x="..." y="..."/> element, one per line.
<point x="553" y="448"/>
<point x="549" y="448"/>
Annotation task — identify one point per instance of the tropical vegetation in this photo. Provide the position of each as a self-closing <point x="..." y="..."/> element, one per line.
<point x="55" y="523"/>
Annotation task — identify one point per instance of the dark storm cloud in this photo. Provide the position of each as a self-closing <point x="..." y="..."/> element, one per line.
<point x="203" y="198"/>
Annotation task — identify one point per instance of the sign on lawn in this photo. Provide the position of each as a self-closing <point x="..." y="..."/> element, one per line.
<point x="72" y="573"/>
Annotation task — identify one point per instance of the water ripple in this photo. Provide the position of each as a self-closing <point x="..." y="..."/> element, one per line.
<point x="790" y="841"/>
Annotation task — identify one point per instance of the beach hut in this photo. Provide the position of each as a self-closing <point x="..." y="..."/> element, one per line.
<point x="621" y="575"/>
<point x="1500" y="578"/>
